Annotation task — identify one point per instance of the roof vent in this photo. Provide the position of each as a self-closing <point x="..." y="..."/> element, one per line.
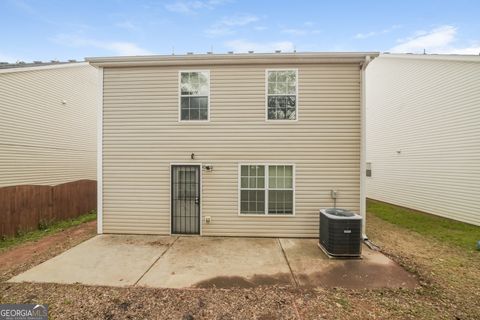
<point x="54" y="61"/>
<point x="251" y="51"/>
<point x="230" y="52"/>
<point x="278" y="51"/>
<point x="72" y="60"/>
<point x="209" y="52"/>
<point x="37" y="61"/>
<point x="189" y="53"/>
<point x="20" y="62"/>
<point x="3" y="62"/>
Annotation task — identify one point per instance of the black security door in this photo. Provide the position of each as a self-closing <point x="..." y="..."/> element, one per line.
<point x="186" y="199"/>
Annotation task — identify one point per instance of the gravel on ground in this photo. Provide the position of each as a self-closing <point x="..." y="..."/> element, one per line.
<point x="450" y="289"/>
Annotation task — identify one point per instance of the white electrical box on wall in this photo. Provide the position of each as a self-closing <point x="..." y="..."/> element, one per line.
<point x="333" y="194"/>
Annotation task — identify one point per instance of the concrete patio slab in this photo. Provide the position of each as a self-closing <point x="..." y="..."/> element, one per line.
<point x="204" y="262"/>
<point x="110" y="260"/>
<point x="311" y="267"/>
<point x="220" y="262"/>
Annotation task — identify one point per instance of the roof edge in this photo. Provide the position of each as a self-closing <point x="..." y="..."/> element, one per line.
<point x="239" y="58"/>
<point x="430" y="56"/>
<point x="45" y="67"/>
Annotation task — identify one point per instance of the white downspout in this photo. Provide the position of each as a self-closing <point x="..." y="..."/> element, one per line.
<point x="363" y="149"/>
<point x="100" y="152"/>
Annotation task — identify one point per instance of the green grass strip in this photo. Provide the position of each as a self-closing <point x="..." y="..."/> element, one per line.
<point x="449" y="231"/>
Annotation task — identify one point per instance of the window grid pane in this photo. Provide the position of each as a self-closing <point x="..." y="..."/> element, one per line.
<point x="194" y="88"/>
<point x="282" y="95"/>
<point x="280" y="193"/>
<point x="252" y="189"/>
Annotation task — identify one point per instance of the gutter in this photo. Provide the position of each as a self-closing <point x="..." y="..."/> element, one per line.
<point x="363" y="149"/>
<point x="231" y="59"/>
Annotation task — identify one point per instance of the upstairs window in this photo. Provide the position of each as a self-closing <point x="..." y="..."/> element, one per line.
<point x="194" y="95"/>
<point x="281" y="94"/>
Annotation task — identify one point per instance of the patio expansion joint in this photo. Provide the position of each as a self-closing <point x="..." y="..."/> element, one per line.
<point x="156" y="260"/>
<point x="288" y="262"/>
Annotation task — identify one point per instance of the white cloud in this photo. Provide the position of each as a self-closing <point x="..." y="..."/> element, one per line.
<point x="227" y="25"/>
<point x="240" y="45"/>
<point x="22" y="5"/>
<point x="8" y="58"/>
<point x="441" y="40"/>
<point x="376" y="33"/>
<point x="239" y="20"/>
<point x="193" y="6"/>
<point x="475" y="49"/>
<point x="434" y="41"/>
<point x="127" y="25"/>
<point x="366" y="35"/>
<point x="295" y="32"/>
<point x="122" y="48"/>
<point x="260" y="28"/>
<point x="306" y="29"/>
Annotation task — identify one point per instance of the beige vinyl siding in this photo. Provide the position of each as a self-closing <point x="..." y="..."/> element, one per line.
<point x="43" y="141"/>
<point x="142" y="137"/>
<point x="428" y="109"/>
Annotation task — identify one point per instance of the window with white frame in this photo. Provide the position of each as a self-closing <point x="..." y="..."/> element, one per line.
<point x="194" y="95"/>
<point x="281" y="94"/>
<point x="266" y="189"/>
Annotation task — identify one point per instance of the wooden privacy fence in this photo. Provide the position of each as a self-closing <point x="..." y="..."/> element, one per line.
<point x="25" y="208"/>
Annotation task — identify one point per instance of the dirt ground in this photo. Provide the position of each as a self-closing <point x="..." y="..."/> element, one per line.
<point x="450" y="288"/>
<point x="29" y="254"/>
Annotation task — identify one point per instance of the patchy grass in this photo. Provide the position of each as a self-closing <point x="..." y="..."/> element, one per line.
<point x="46" y="229"/>
<point x="449" y="231"/>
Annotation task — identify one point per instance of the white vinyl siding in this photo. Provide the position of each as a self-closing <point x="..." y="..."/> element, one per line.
<point x="142" y="137"/>
<point x="423" y="134"/>
<point x="48" y="124"/>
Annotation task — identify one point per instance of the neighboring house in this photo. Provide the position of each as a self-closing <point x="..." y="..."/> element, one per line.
<point x="47" y="123"/>
<point x="229" y="144"/>
<point x="423" y="133"/>
<point x="47" y="138"/>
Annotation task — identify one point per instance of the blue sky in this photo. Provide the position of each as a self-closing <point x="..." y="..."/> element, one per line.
<point x="45" y="30"/>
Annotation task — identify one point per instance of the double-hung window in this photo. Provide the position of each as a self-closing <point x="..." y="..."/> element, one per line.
<point x="282" y="95"/>
<point x="267" y="189"/>
<point x="194" y="95"/>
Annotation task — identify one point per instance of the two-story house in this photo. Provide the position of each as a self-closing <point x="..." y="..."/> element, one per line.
<point x="229" y="144"/>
